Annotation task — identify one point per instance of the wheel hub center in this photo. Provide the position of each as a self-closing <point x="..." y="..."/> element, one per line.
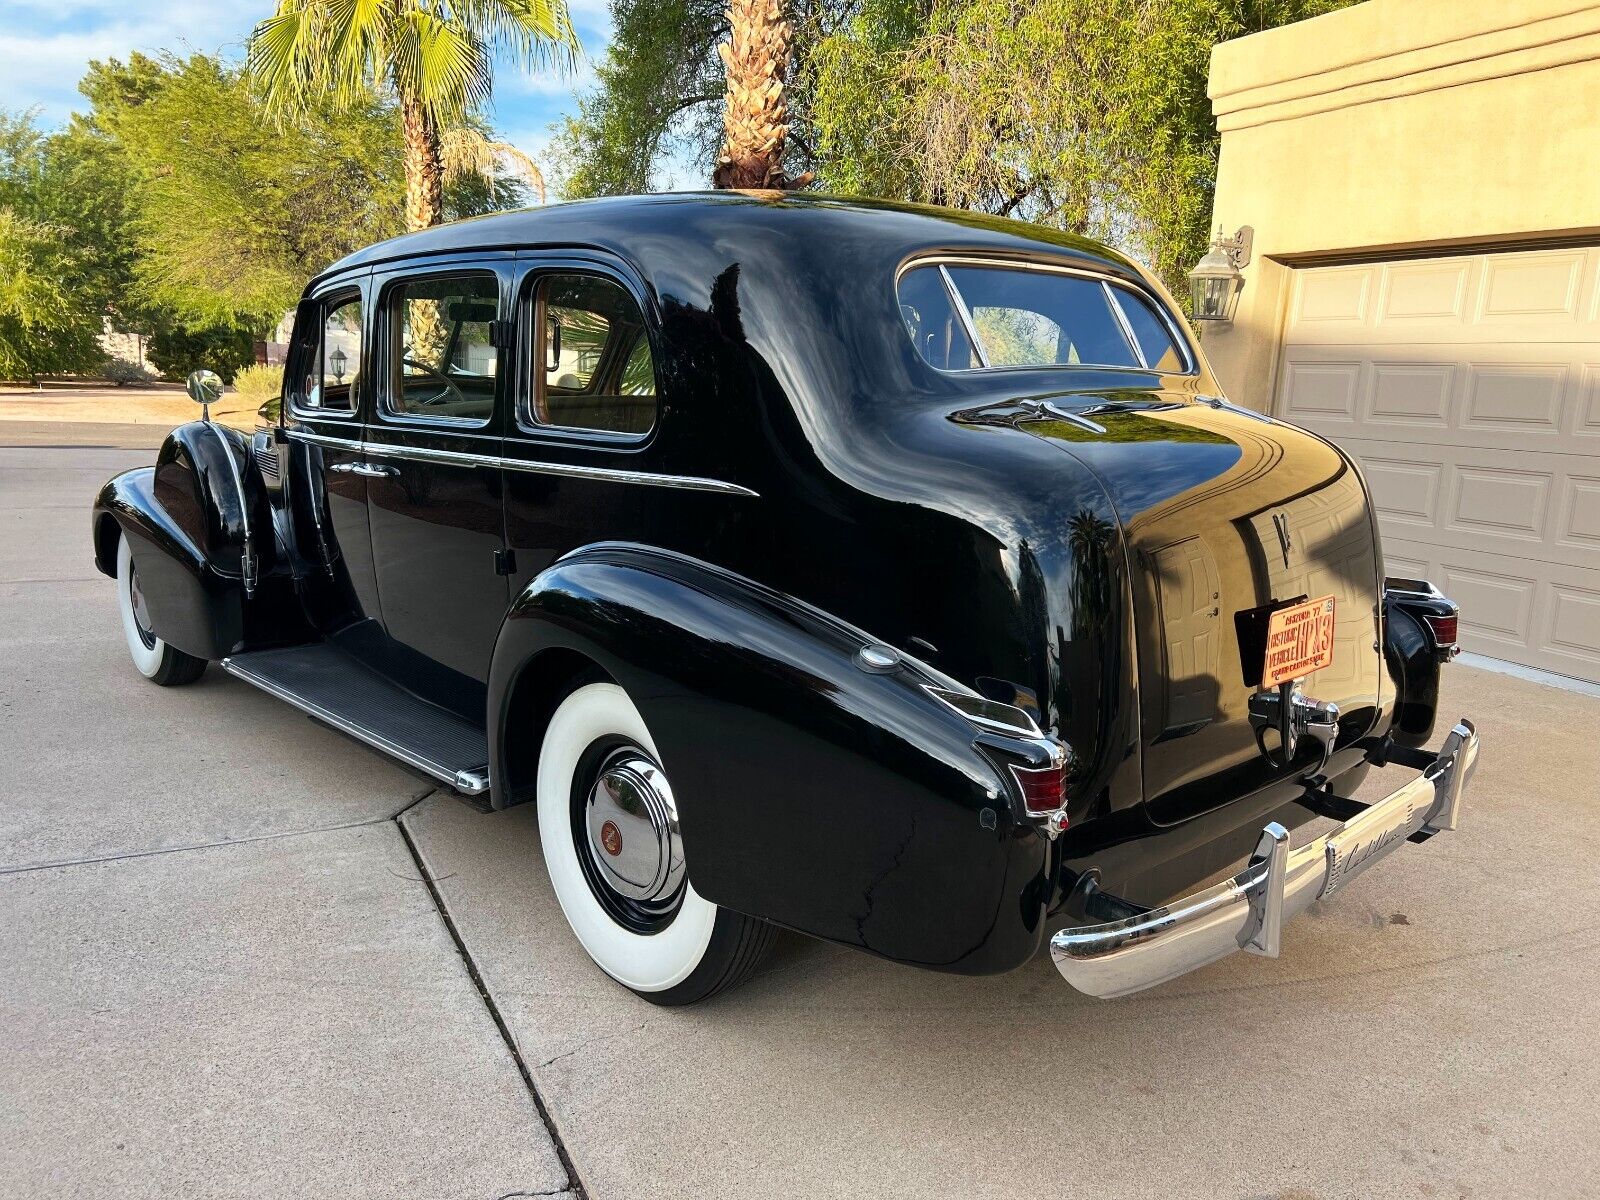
<point x="632" y="823"/>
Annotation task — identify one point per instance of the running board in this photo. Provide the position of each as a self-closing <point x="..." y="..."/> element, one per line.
<point x="336" y="689"/>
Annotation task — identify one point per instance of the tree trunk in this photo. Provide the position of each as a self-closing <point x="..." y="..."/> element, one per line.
<point x="755" y="120"/>
<point x="424" y="166"/>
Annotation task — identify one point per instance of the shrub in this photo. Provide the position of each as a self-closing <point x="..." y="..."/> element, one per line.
<point x="259" y="384"/>
<point x="176" y="351"/>
<point x="120" y="371"/>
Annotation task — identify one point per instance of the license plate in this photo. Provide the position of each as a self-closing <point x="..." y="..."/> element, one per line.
<point x="1299" y="641"/>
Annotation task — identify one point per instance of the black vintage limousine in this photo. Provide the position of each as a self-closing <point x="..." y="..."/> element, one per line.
<point x="895" y="575"/>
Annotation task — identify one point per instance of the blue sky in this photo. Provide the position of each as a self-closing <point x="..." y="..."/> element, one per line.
<point x="45" y="45"/>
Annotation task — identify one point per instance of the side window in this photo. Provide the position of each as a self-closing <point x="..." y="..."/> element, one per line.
<point x="442" y="362"/>
<point x="329" y="374"/>
<point x="591" y="363"/>
<point x="1154" y="336"/>
<point x="932" y="322"/>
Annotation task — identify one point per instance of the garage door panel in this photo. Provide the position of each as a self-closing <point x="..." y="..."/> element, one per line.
<point x="1510" y="397"/>
<point x="1411" y="393"/>
<point x="1523" y="397"/>
<point x="1527" y="297"/>
<point x="1499" y="501"/>
<point x="1426" y="294"/>
<point x="1542" y="615"/>
<point x="1542" y="285"/>
<point x="1469" y="389"/>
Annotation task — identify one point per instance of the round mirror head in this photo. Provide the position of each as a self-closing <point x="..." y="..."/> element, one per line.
<point x="205" y="387"/>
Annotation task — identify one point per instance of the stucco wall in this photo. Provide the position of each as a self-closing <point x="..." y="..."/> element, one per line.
<point x="1395" y="125"/>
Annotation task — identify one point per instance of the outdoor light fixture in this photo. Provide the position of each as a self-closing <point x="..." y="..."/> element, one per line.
<point x="338" y="360"/>
<point x="1216" y="281"/>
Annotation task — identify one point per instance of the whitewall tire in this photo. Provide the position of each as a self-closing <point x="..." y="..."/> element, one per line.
<point x="608" y="827"/>
<point x="152" y="657"/>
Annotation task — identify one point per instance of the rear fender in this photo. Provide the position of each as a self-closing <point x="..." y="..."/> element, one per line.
<point x="1414" y="656"/>
<point x="844" y="803"/>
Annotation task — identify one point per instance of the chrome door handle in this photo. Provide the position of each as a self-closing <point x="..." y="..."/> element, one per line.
<point x="375" y="471"/>
<point x="343" y="468"/>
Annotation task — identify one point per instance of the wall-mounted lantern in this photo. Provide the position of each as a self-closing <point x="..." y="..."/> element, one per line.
<point x="1216" y="280"/>
<point x="338" y="360"/>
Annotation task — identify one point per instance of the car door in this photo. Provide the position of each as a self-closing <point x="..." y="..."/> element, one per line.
<point x="581" y="439"/>
<point x="329" y="395"/>
<point x="434" y="488"/>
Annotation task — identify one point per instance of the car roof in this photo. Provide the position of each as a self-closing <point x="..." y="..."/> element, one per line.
<point x="818" y="229"/>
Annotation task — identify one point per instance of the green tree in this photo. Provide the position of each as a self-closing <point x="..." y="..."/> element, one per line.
<point x="52" y="285"/>
<point x="231" y="213"/>
<point x="435" y="56"/>
<point x="177" y="349"/>
<point x="660" y="94"/>
<point x="44" y="328"/>
<point x="1083" y="115"/>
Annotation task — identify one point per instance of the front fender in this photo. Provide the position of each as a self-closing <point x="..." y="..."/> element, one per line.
<point x="192" y="605"/>
<point x="200" y="529"/>
<point x="813" y="793"/>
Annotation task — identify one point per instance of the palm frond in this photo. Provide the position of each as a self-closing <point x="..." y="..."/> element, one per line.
<point x="465" y="151"/>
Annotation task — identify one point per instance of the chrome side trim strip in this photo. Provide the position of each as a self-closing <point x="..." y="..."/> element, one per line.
<point x="457" y="458"/>
<point x="322" y="439"/>
<point x="472" y="783"/>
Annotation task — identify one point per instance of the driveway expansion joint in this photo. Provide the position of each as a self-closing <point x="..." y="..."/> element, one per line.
<point x="575" y="1186"/>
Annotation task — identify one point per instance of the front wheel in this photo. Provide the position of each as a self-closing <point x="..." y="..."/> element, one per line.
<point x="154" y="658"/>
<point x="608" y="823"/>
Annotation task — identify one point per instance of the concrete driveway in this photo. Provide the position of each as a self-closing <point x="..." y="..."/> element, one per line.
<point x="222" y="973"/>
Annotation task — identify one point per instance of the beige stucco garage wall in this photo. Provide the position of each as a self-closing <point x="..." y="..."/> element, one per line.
<point x="1397" y="125"/>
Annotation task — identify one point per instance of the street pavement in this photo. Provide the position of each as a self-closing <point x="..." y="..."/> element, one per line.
<point x="222" y="974"/>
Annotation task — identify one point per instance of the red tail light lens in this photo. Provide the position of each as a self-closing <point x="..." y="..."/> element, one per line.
<point x="1044" y="789"/>
<point x="1444" y="629"/>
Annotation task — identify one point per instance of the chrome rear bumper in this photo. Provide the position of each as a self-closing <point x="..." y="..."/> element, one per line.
<point x="1247" y="912"/>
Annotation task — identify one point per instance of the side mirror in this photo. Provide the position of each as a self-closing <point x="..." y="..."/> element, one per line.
<point x="205" y="389"/>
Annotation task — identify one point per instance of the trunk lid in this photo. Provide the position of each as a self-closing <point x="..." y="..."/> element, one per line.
<point x="1224" y="512"/>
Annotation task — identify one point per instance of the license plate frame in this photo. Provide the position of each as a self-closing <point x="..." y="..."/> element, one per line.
<point x="1299" y="640"/>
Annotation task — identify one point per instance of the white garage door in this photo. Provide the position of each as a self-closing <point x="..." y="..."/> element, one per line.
<point x="1469" y="389"/>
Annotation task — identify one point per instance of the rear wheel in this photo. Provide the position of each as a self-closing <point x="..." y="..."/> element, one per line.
<point x="154" y="658"/>
<point x="608" y="823"/>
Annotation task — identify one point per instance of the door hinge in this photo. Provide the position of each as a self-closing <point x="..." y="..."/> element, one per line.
<point x="500" y="334"/>
<point x="505" y="562"/>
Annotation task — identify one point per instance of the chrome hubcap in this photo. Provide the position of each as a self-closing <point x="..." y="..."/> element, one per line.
<point x="141" y="615"/>
<point x="632" y="823"/>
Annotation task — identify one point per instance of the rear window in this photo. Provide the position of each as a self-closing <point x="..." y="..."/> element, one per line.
<point x="963" y="316"/>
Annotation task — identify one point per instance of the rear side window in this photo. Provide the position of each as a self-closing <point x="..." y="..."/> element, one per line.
<point x="930" y="317"/>
<point x="329" y="374"/>
<point x="591" y="364"/>
<point x="1153" y="335"/>
<point x="1031" y="318"/>
<point x="443" y="361"/>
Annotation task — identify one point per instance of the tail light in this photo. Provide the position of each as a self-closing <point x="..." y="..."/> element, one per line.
<point x="1445" y="629"/>
<point x="1044" y="793"/>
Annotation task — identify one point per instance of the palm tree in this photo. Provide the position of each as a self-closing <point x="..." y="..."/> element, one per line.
<point x="436" y="55"/>
<point x="755" y="121"/>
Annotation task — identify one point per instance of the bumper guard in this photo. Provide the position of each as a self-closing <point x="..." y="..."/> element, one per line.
<point x="1247" y="912"/>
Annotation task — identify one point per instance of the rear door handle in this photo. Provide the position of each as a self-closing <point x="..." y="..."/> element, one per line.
<point x="375" y="471"/>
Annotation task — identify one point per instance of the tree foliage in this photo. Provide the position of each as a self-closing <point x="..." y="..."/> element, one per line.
<point x="1079" y="114"/>
<point x="435" y="57"/>
<point x="177" y="205"/>
<point x="53" y="285"/>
